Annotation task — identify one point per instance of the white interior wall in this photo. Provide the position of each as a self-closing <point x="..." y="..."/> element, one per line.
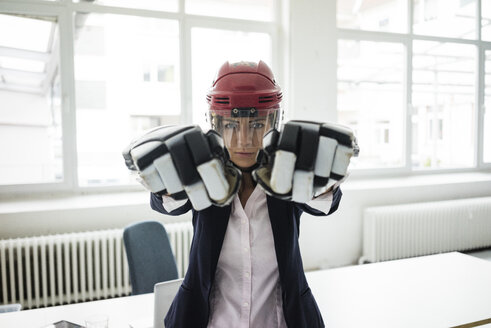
<point x="338" y="239"/>
<point x="52" y="214"/>
<point x="325" y="242"/>
<point x="313" y="49"/>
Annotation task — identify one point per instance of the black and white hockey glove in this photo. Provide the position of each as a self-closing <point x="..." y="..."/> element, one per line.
<point x="183" y="162"/>
<point x="305" y="159"/>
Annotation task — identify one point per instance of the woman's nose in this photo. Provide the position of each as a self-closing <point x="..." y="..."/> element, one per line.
<point x="243" y="139"/>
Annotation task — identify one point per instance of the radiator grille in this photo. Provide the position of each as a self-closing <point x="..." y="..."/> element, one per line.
<point x="400" y="231"/>
<point x="69" y="268"/>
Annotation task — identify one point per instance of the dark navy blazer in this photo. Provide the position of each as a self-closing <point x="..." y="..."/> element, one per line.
<point x="191" y="308"/>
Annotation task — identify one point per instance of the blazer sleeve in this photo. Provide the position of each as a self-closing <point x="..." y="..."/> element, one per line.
<point x="156" y="204"/>
<point x="336" y="198"/>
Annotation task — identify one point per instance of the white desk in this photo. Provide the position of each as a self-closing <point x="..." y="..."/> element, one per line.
<point x="434" y="291"/>
<point x="120" y="312"/>
<point x="443" y="290"/>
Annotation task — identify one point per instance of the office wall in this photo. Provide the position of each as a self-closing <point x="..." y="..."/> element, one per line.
<point x="312" y="70"/>
<point x="325" y="242"/>
<point x="337" y="240"/>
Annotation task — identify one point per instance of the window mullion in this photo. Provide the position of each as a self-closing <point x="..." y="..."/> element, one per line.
<point x="408" y="144"/>
<point x="408" y="104"/>
<point x="230" y="24"/>
<point x="478" y="20"/>
<point x="276" y="34"/>
<point x="106" y="9"/>
<point x="370" y="35"/>
<point x="186" y="69"/>
<point x="281" y="49"/>
<point x="479" y="151"/>
<point x="480" y="107"/>
<point x="69" y="126"/>
<point x="410" y="17"/>
<point x="278" y="55"/>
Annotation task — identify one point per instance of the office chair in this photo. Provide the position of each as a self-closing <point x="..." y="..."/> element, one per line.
<point x="149" y="255"/>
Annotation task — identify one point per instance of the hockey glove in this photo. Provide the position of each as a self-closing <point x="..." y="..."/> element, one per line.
<point x="183" y="162"/>
<point x="305" y="159"/>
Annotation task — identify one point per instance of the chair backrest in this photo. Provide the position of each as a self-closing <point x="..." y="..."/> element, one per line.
<point x="149" y="255"/>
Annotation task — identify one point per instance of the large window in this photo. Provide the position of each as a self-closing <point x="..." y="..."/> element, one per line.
<point x="486" y="20"/>
<point x="409" y="82"/>
<point x="448" y="18"/>
<point x="245" y="9"/>
<point x="388" y="16"/>
<point x="30" y="113"/>
<point x="371" y="97"/>
<point x="167" y="5"/>
<point x="126" y="81"/>
<point x="80" y="79"/>
<point x="443" y="103"/>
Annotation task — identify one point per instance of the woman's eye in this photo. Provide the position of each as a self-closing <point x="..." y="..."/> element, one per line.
<point x="230" y="125"/>
<point x="257" y="125"/>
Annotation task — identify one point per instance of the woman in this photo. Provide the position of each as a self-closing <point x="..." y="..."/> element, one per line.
<point x="245" y="268"/>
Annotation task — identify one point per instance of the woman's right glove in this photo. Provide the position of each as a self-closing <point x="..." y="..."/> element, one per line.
<point x="183" y="162"/>
<point x="305" y="159"/>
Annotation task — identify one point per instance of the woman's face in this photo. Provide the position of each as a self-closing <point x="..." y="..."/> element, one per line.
<point x="243" y="137"/>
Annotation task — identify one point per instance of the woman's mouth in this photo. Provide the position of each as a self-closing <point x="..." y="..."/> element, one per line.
<point x="244" y="154"/>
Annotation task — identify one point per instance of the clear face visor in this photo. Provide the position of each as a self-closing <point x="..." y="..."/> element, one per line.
<point x="243" y="128"/>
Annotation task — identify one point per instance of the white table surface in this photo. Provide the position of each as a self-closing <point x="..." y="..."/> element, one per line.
<point x="121" y="311"/>
<point x="443" y="290"/>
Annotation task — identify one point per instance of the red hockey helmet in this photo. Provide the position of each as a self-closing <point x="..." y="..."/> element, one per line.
<point x="244" y="91"/>
<point x="244" y="85"/>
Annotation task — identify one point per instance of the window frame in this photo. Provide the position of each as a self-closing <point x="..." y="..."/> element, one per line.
<point x="482" y="106"/>
<point x="407" y="39"/>
<point x="64" y="10"/>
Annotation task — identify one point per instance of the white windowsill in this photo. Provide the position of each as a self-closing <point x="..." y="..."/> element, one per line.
<point x="118" y="199"/>
<point x="64" y="202"/>
<point x="423" y="180"/>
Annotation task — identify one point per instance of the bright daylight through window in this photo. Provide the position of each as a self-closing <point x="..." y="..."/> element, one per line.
<point x="370" y="99"/>
<point x="30" y="112"/>
<point x="261" y="10"/>
<point x="413" y="80"/>
<point x="414" y="102"/>
<point x="443" y="104"/>
<point x="127" y="81"/>
<point x="135" y="65"/>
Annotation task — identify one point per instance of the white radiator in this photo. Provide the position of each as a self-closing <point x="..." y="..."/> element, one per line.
<point x="76" y="267"/>
<point x="400" y="231"/>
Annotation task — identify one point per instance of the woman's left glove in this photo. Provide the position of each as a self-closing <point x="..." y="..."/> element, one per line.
<point x="183" y="162"/>
<point x="305" y="159"/>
